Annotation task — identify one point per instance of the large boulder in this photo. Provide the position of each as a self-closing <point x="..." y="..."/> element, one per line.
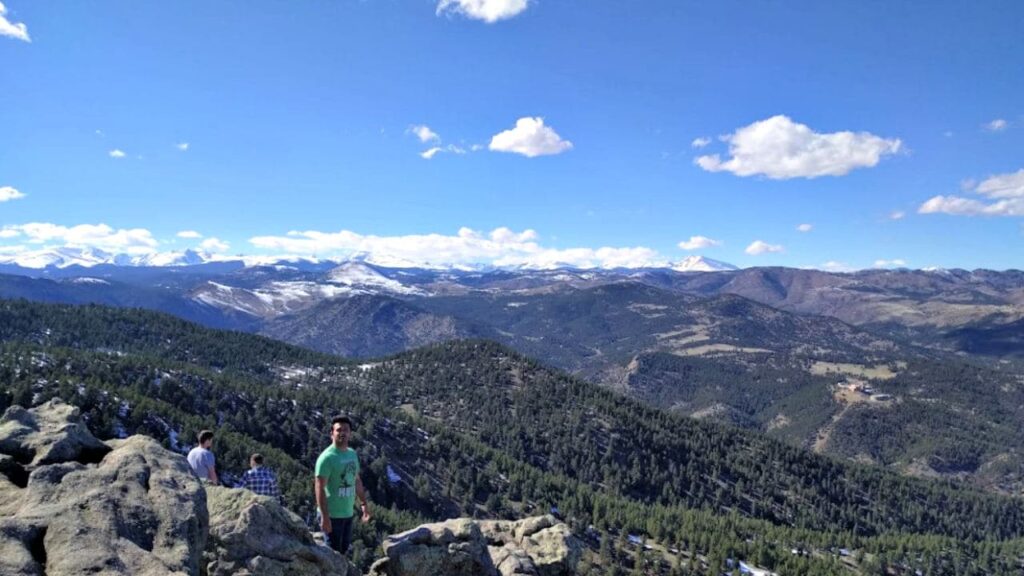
<point x="73" y="505"/>
<point x="540" y="545"/>
<point x="254" y="535"/>
<point x="49" y="434"/>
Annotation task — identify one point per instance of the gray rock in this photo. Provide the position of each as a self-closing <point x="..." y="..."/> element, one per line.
<point x="540" y="546"/>
<point x="255" y="535"/>
<point x="87" y="509"/>
<point x="48" y="434"/>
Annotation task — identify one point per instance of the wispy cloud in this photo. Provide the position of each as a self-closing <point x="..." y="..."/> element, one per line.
<point x="424" y="133"/>
<point x="214" y="245"/>
<point x="489" y="11"/>
<point x="1001" y="195"/>
<point x="100" y="236"/>
<point x="698" y="243"/>
<point x="897" y="215"/>
<point x="116" y="153"/>
<point x="183" y="146"/>
<point x="530" y="138"/>
<point x="500" y="247"/>
<point x="805" y="227"/>
<point x="836" y="266"/>
<point x="191" y="234"/>
<point x="430" y="152"/>
<point x="8" y="193"/>
<point x="700" y="142"/>
<point x="997" y="125"/>
<point x="758" y="247"/>
<point x="779" y="148"/>
<point x="894" y="263"/>
<point x="16" y="30"/>
<point x="451" y="149"/>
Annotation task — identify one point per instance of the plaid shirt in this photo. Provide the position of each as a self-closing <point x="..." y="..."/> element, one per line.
<point x="261" y="481"/>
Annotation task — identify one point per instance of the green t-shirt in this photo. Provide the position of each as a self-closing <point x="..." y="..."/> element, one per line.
<point x="340" y="467"/>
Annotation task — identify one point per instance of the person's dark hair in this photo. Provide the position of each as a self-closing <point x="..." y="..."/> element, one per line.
<point x="341" y="420"/>
<point x="256" y="459"/>
<point x="205" y="435"/>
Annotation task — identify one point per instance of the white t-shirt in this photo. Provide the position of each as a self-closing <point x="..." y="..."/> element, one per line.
<point x="201" y="460"/>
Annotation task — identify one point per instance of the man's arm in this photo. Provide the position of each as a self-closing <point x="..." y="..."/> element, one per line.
<point x="363" y="498"/>
<point x="213" y="470"/>
<point x="320" y="492"/>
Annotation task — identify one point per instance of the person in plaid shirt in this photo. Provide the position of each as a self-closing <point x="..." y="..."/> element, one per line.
<point x="260" y="479"/>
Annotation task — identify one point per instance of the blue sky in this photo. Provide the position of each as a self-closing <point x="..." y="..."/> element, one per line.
<point x="895" y="130"/>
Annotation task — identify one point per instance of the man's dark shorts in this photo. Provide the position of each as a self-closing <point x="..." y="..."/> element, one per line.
<point x="341" y="534"/>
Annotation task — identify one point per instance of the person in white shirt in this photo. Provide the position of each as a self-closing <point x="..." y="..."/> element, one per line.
<point x="201" y="459"/>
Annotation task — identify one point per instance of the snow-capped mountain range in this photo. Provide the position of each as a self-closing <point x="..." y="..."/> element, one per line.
<point x="66" y="257"/>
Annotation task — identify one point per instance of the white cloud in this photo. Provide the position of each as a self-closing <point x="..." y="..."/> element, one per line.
<point x="9" y="193"/>
<point x="997" y="125"/>
<point x="530" y="138"/>
<point x="895" y="263"/>
<point x="16" y="30"/>
<point x="214" y="245"/>
<point x="8" y="233"/>
<point x="897" y="215"/>
<point x="500" y="247"/>
<point x="489" y="11"/>
<point x="761" y="247"/>
<point x="781" y="149"/>
<point x="836" y="266"/>
<point x="431" y="152"/>
<point x="699" y="242"/>
<point x="183" y="146"/>
<point x="100" y="236"/>
<point x="700" y="142"/>
<point x="805" y="228"/>
<point x="1002" y="195"/>
<point x="189" y="234"/>
<point x="424" y="133"/>
<point x="1003" y="185"/>
<point x="116" y="153"/>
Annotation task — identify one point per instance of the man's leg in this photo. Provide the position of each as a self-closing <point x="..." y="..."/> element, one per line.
<point x="335" y="537"/>
<point x="341" y="533"/>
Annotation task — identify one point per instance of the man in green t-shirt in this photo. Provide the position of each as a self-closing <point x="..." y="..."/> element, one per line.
<point x="336" y="486"/>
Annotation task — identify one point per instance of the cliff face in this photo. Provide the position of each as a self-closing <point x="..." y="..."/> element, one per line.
<point x="72" y="505"/>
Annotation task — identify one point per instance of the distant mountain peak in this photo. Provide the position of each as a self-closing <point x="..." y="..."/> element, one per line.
<point x="701" y="264"/>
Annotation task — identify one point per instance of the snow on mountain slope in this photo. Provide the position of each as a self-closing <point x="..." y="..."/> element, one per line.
<point x="358" y="275"/>
<point x="285" y="297"/>
<point x="58" y="258"/>
<point x="186" y="258"/>
<point x="701" y="264"/>
<point x="88" y="257"/>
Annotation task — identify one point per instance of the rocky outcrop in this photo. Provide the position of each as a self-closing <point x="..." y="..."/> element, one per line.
<point x="70" y="504"/>
<point x="465" y="547"/>
<point x="254" y="535"/>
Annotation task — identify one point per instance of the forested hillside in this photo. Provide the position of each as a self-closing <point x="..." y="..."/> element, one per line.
<point x="473" y="428"/>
